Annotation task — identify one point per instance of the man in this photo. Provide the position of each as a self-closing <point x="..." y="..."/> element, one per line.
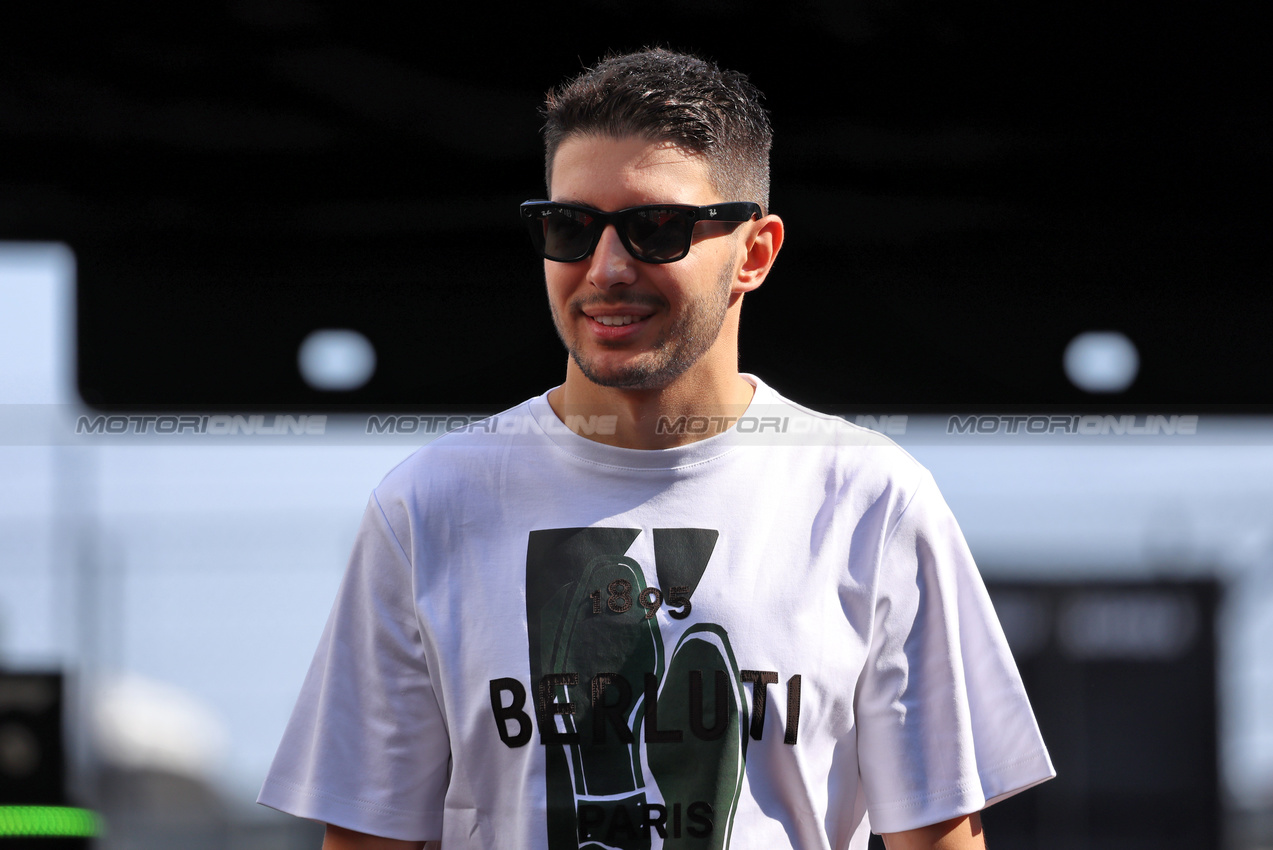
<point x="659" y="604"/>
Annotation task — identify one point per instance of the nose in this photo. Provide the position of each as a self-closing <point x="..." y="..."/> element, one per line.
<point x="610" y="264"/>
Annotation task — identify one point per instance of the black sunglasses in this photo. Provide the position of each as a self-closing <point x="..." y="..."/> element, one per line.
<point x="654" y="233"/>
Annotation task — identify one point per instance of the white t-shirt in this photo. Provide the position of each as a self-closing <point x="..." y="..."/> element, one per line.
<point x="772" y="637"/>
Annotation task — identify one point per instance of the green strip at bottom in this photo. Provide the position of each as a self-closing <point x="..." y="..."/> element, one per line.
<point x="48" y="822"/>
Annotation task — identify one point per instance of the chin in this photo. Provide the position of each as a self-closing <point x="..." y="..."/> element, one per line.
<point x="630" y="376"/>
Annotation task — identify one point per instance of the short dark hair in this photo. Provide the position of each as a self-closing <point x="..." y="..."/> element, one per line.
<point x="664" y="96"/>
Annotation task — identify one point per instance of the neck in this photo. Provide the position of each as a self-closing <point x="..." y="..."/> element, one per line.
<point x="642" y="417"/>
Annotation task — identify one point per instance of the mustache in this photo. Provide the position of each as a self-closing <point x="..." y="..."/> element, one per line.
<point x="633" y="299"/>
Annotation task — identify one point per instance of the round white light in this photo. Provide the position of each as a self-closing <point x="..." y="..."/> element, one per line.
<point x="336" y="360"/>
<point x="1101" y="362"/>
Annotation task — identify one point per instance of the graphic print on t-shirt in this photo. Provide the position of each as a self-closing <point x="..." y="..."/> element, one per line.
<point x="644" y="744"/>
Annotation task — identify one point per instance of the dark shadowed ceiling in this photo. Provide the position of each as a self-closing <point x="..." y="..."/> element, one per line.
<point x="966" y="188"/>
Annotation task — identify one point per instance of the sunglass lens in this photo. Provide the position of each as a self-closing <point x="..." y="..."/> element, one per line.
<point x="659" y="235"/>
<point x="567" y="234"/>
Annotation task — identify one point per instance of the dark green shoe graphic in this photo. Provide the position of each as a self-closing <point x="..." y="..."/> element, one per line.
<point x="611" y="644"/>
<point x="701" y="777"/>
<point x="557" y="601"/>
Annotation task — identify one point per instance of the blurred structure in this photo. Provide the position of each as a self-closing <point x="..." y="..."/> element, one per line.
<point x="35" y="808"/>
<point x="32" y="760"/>
<point x="971" y="185"/>
<point x="1123" y="679"/>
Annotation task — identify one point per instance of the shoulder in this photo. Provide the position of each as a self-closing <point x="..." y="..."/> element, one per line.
<point x="465" y="459"/>
<point x="852" y="455"/>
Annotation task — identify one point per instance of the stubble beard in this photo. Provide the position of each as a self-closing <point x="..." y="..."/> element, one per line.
<point x="680" y="346"/>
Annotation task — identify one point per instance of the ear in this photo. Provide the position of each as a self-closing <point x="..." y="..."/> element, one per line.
<point x="762" y="245"/>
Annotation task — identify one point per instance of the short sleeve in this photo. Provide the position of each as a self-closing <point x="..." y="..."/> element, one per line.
<point x="367" y="747"/>
<point x="944" y="724"/>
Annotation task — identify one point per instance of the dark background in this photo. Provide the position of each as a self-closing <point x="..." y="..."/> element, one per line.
<point x="966" y="186"/>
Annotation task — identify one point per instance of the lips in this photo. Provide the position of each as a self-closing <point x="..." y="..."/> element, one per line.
<point x="614" y="324"/>
<point x="617" y="321"/>
<point x="618" y="314"/>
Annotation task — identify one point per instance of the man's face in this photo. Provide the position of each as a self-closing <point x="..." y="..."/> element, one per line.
<point x="629" y="324"/>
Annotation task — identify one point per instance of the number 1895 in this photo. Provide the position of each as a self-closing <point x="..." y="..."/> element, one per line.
<point x="619" y="599"/>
